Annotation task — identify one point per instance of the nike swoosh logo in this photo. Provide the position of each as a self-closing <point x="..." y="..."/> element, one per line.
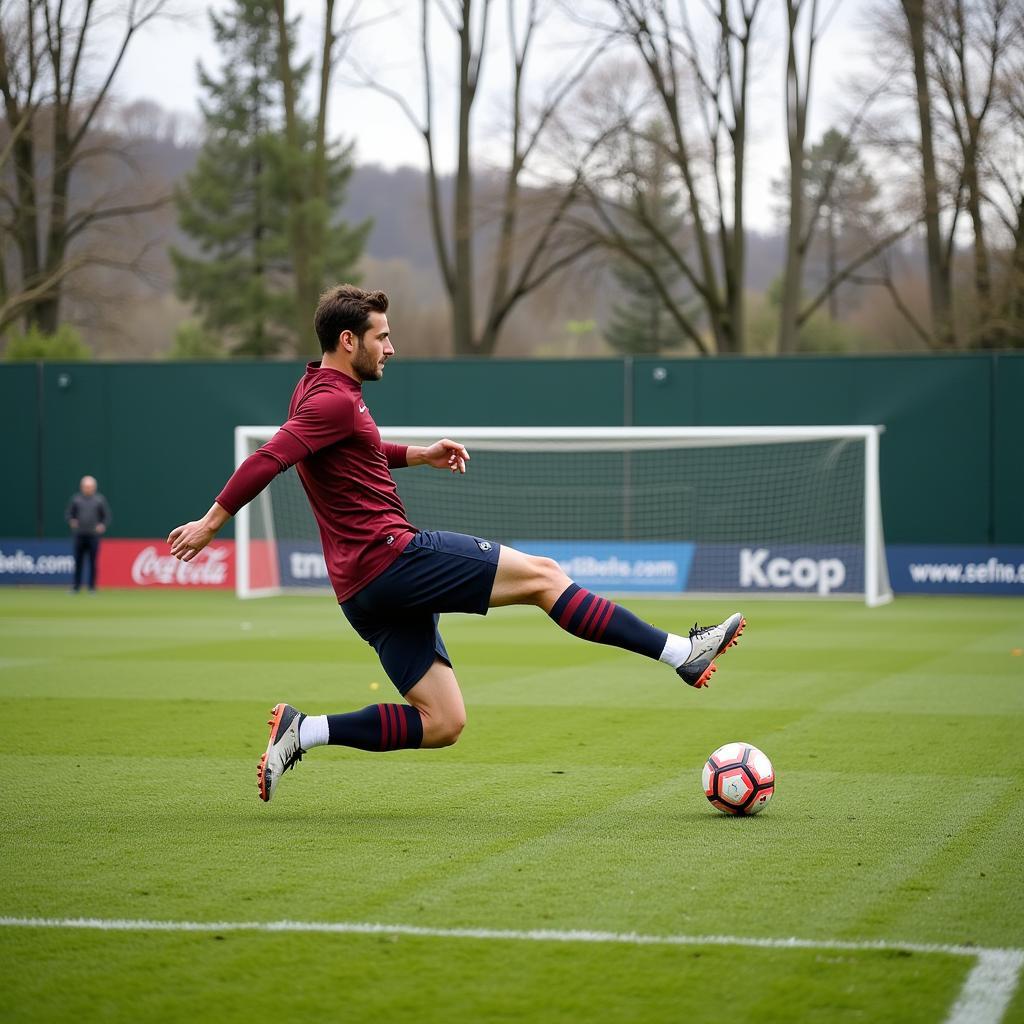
<point x="362" y="408"/>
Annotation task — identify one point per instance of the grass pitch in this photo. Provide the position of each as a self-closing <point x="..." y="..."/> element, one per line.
<point x="134" y="722"/>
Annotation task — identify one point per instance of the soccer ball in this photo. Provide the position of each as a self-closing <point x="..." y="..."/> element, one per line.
<point x="738" y="779"/>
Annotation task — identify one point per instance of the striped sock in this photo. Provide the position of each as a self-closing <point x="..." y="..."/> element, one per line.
<point x="378" y="727"/>
<point x="595" y="618"/>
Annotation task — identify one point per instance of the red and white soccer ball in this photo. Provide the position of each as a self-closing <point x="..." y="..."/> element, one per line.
<point x="738" y="779"/>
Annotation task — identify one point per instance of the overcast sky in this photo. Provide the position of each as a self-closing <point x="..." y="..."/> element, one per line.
<point x="161" y="66"/>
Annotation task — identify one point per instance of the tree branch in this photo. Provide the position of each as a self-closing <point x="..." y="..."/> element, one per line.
<point x="154" y="10"/>
<point x="850" y="269"/>
<point x="14" y="306"/>
<point x="886" y="282"/>
<point x="616" y="241"/>
<point x="86" y="218"/>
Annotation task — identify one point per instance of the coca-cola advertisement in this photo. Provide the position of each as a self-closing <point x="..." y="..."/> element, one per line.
<point x="148" y="563"/>
<point x="153" y="566"/>
<point x="121" y="563"/>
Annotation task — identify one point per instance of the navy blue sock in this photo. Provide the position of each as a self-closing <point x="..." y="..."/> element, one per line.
<point x="378" y="727"/>
<point x="591" y="617"/>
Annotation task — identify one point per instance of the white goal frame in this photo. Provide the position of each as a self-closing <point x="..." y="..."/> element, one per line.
<point x="876" y="577"/>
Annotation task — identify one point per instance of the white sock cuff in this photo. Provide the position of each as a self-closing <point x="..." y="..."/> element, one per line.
<point x="677" y="650"/>
<point x="313" y="732"/>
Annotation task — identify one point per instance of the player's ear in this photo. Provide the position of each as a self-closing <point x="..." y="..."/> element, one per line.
<point x="347" y="341"/>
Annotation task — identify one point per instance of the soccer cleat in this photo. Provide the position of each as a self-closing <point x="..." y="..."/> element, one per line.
<point x="283" y="750"/>
<point x="708" y="643"/>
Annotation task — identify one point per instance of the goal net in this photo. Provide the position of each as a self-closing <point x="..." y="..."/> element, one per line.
<point x="772" y="510"/>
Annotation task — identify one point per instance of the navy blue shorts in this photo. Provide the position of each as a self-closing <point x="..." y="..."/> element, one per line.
<point x="397" y="613"/>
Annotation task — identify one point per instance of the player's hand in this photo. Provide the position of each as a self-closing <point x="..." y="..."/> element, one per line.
<point x="446" y="454"/>
<point x="100" y="528"/>
<point x="189" y="539"/>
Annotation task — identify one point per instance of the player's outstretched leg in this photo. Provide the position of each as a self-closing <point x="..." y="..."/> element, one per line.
<point x="283" y="749"/>
<point x="529" y="579"/>
<point x="707" y="643"/>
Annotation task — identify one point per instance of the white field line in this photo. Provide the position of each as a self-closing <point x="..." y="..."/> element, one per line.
<point x="989" y="987"/>
<point x="985" y="995"/>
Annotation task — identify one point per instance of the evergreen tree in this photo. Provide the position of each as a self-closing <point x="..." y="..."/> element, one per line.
<point x="235" y="203"/>
<point x="641" y="323"/>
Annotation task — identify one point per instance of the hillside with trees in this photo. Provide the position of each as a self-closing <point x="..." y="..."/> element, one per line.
<point x="594" y="207"/>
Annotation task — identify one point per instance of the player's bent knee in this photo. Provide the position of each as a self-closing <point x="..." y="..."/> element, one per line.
<point x="443" y="730"/>
<point x="450" y="730"/>
<point x="550" y="579"/>
<point x="527" y="579"/>
<point x="552" y="572"/>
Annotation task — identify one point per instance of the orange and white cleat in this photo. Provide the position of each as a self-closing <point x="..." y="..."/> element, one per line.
<point x="283" y="750"/>
<point x="708" y="643"/>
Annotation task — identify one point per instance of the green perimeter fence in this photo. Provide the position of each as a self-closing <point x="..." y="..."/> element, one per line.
<point x="158" y="436"/>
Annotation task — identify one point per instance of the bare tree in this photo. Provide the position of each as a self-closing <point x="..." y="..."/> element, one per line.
<point x="939" y="249"/>
<point x="799" y="79"/>
<point x="530" y="246"/>
<point x="1003" y="178"/>
<point x="812" y="205"/>
<point x="970" y="42"/>
<point x="51" y="106"/>
<point x="956" y="53"/>
<point x="699" y="78"/>
<point x="837" y="192"/>
<point x="637" y="207"/>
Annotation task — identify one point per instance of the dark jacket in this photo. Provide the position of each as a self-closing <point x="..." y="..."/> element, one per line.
<point x="89" y="511"/>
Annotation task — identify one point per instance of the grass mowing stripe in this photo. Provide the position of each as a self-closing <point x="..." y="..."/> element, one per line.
<point x="985" y="995"/>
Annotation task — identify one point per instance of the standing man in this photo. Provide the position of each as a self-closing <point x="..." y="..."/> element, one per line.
<point x="88" y="515"/>
<point x="393" y="581"/>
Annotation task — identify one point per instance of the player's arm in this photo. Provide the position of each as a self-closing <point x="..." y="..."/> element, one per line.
<point x="321" y="419"/>
<point x="284" y="449"/>
<point x="189" y="539"/>
<point x="443" y="454"/>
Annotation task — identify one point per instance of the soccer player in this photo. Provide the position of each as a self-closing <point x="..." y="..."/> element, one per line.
<point x="392" y="580"/>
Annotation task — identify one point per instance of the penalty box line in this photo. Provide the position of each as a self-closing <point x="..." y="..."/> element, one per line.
<point x="983" y="998"/>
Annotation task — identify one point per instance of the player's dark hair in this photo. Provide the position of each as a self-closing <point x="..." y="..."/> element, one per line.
<point x="345" y="308"/>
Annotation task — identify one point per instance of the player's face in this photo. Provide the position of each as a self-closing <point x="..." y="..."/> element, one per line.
<point x="373" y="349"/>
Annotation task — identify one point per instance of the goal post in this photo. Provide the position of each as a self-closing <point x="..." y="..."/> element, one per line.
<point x="640" y="510"/>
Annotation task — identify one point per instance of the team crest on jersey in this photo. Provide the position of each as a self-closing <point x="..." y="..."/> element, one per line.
<point x="484" y="545"/>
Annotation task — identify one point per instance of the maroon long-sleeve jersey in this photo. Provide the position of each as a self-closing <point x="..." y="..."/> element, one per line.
<point x="344" y="467"/>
